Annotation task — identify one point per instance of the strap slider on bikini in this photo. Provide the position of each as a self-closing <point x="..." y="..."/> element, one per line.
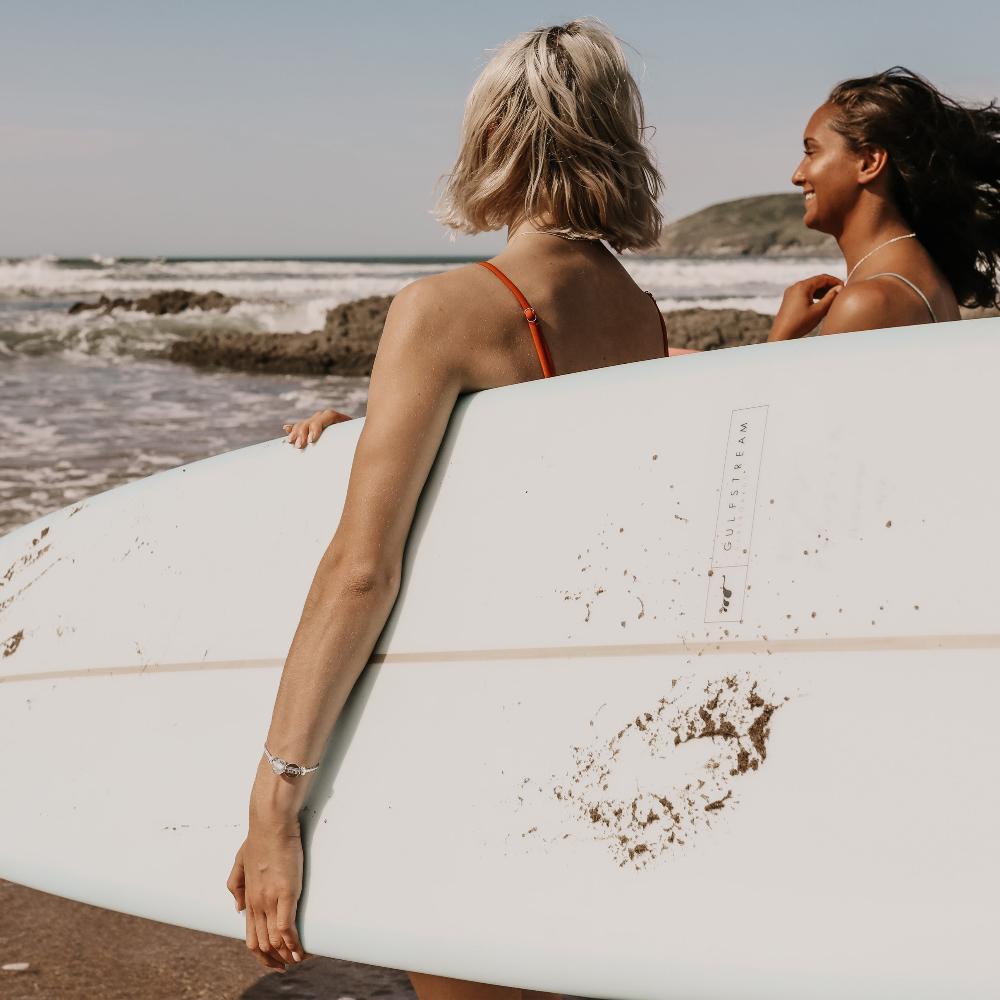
<point x="529" y="315"/>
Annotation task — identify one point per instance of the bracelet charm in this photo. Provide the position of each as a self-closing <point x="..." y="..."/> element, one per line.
<point x="280" y="766"/>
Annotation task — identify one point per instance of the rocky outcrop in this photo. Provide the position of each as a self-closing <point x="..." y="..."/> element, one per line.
<point x="167" y="303"/>
<point x="349" y="339"/>
<point x="710" y="329"/>
<point x="345" y="346"/>
<point x="769" y="225"/>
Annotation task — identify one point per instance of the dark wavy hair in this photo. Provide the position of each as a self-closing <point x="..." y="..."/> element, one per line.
<point x="944" y="161"/>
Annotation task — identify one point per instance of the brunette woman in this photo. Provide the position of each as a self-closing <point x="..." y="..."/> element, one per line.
<point x="908" y="182"/>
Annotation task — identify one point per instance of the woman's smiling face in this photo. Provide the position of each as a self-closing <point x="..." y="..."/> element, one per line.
<point x="828" y="174"/>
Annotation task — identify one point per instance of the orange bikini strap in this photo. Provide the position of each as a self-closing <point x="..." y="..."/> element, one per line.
<point x="541" y="348"/>
<point x="663" y="324"/>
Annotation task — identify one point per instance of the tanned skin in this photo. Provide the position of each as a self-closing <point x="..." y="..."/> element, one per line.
<point x="848" y="195"/>
<point x="445" y="335"/>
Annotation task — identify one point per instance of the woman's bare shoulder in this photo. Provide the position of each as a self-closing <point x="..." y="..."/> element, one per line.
<point x="868" y="305"/>
<point x="448" y="300"/>
<point x="446" y="318"/>
<point x="445" y="287"/>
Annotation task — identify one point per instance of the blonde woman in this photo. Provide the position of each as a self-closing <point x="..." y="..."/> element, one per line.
<point x="552" y="149"/>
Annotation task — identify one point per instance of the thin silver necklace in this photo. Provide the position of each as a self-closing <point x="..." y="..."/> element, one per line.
<point x="542" y="232"/>
<point x="881" y="246"/>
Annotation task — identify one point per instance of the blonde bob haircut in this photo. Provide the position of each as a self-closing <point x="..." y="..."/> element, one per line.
<point x="554" y="132"/>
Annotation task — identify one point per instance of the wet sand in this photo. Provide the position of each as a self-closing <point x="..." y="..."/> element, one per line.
<point x="80" y="952"/>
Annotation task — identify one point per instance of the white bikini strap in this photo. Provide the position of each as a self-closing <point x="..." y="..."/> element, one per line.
<point x="892" y="274"/>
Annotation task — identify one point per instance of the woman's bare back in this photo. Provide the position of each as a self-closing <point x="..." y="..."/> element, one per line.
<point x="590" y="311"/>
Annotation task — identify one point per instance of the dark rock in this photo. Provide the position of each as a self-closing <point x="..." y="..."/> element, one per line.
<point x="167" y="303"/>
<point x="349" y="339"/>
<point x="709" y="329"/>
<point x="178" y="300"/>
<point x="345" y="346"/>
<point x="105" y="304"/>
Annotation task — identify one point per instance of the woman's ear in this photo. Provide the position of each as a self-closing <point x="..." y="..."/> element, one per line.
<point x="872" y="164"/>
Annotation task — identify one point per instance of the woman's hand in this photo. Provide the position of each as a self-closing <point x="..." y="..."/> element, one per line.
<point x="803" y="306"/>
<point x="266" y="881"/>
<point x="303" y="432"/>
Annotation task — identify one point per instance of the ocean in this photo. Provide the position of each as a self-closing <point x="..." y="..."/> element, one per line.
<point x="85" y="403"/>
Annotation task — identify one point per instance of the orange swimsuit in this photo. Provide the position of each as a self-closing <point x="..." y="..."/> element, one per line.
<point x="541" y="348"/>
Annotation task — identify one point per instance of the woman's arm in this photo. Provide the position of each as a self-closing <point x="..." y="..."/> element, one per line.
<point x="417" y="377"/>
<point x="868" y="305"/>
<point x="413" y="391"/>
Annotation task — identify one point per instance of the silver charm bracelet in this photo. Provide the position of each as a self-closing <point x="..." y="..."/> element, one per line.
<point x="281" y="766"/>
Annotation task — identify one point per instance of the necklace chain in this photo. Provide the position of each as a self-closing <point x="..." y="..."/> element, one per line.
<point x="542" y="232"/>
<point x="881" y="246"/>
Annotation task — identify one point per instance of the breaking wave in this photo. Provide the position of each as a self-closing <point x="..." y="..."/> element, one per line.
<point x="285" y="296"/>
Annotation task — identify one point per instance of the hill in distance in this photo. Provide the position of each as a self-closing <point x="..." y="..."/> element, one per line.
<point x="768" y="225"/>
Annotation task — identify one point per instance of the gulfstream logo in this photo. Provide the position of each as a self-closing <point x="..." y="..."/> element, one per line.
<point x="734" y="523"/>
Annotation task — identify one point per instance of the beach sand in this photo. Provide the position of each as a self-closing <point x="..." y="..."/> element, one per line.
<point x="80" y="952"/>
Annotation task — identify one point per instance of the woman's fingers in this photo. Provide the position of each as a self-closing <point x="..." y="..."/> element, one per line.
<point x="285" y="924"/>
<point x="265" y="953"/>
<point x="822" y="305"/>
<point x="299" y="433"/>
<point x="275" y="938"/>
<point x="280" y="951"/>
<point x="236" y="883"/>
<point x="260" y="925"/>
<point x="273" y="944"/>
<point x="804" y="305"/>
<point x="303" y="432"/>
<point x="296" y="432"/>
<point x="279" y="929"/>
<point x="253" y="943"/>
<point x="819" y="286"/>
<point x="251" y="932"/>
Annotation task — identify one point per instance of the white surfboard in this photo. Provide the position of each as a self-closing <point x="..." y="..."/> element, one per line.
<point x="691" y="690"/>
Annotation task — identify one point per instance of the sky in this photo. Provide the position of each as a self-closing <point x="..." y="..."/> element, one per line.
<point x="322" y="127"/>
